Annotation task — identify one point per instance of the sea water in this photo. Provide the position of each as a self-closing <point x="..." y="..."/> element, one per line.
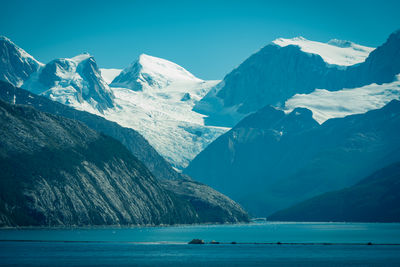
<point x="272" y="243"/>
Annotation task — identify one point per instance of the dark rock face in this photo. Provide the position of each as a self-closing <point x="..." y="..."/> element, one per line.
<point x="274" y="74"/>
<point x="374" y="199"/>
<point x="15" y="64"/>
<point x="270" y="160"/>
<point x="381" y="66"/>
<point x="131" y="139"/>
<point x="56" y="171"/>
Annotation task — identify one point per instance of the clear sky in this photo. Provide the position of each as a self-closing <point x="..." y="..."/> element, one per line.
<point x="208" y="38"/>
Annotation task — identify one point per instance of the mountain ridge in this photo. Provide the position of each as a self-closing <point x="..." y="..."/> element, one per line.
<point x="373" y="199"/>
<point x="16" y="64"/>
<point x="269" y="162"/>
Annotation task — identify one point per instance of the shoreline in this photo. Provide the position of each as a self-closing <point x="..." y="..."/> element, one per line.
<point x="88" y="227"/>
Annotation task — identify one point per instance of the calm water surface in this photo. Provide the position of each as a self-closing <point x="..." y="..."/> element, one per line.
<point x="161" y="246"/>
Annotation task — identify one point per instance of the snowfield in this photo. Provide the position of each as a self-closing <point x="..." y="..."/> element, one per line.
<point x="337" y="52"/>
<point x="337" y="104"/>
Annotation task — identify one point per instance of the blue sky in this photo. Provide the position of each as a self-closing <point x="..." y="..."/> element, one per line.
<point x="209" y="38"/>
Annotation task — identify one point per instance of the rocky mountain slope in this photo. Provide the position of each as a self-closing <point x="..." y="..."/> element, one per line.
<point x="130" y="138"/>
<point x="373" y="199"/>
<point x="271" y="160"/>
<point x="207" y="202"/>
<point x="223" y="209"/>
<point x="56" y="171"/>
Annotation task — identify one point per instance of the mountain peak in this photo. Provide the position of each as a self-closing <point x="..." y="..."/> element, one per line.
<point x="21" y="51"/>
<point x="149" y="72"/>
<point x="144" y="56"/>
<point x="75" y="81"/>
<point x="80" y="58"/>
<point x="16" y="65"/>
<point x="4" y="38"/>
<point x="156" y="65"/>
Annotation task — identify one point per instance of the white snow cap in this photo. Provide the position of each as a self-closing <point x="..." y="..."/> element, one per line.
<point x="155" y="66"/>
<point x="337" y="52"/>
<point x="152" y="73"/>
<point x="79" y="58"/>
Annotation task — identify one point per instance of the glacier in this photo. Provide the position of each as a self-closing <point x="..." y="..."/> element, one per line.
<point x="166" y="119"/>
<point x="156" y="97"/>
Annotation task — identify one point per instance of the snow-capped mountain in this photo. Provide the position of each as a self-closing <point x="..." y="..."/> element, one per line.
<point x="284" y="162"/>
<point x="73" y="81"/>
<point x="298" y="66"/>
<point x="16" y="65"/>
<point x="367" y="86"/>
<point x="277" y="72"/>
<point x="156" y="97"/>
<point x="149" y="72"/>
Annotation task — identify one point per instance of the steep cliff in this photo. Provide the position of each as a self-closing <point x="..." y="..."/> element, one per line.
<point x="56" y="171"/>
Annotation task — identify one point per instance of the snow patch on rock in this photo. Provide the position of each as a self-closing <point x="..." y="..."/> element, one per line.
<point x="337" y="104"/>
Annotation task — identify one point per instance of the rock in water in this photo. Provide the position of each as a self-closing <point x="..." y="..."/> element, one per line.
<point x="197" y="242"/>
